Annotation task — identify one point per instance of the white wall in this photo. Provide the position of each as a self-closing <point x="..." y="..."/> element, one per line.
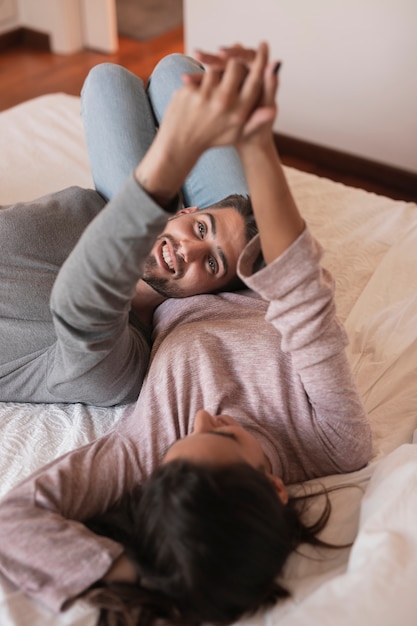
<point x="8" y="15"/>
<point x="99" y="21"/>
<point x="349" y="75"/>
<point x="61" y="19"/>
<point x="71" y="24"/>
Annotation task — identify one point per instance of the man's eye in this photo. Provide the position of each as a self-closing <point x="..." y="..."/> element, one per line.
<point x="202" y="229"/>
<point x="212" y="264"/>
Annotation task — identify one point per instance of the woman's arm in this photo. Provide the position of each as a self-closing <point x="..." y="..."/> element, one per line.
<point x="278" y="219"/>
<point x="277" y="216"/>
<point x="45" y="549"/>
<point x="333" y="435"/>
<point x="302" y="308"/>
<point x="300" y="292"/>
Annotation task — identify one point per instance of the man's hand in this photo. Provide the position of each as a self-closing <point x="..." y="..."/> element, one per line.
<point x="228" y="96"/>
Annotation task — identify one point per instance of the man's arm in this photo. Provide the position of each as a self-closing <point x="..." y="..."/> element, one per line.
<point x="99" y="358"/>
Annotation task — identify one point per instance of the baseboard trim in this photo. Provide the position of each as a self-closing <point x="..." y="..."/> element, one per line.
<point x="25" y="37"/>
<point x="375" y="172"/>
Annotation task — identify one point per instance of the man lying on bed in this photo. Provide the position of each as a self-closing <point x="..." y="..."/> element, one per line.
<point x="81" y="279"/>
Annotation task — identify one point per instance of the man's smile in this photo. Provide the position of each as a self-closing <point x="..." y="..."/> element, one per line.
<point x="166" y="254"/>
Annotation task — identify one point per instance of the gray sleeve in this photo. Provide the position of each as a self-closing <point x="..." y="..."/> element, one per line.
<point x="99" y="358"/>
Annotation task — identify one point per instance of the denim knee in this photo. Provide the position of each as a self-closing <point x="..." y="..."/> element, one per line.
<point x="166" y="78"/>
<point x="108" y="76"/>
<point x="175" y="64"/>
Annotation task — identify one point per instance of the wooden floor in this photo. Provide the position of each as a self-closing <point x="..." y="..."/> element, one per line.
<point x="27" y="71"/>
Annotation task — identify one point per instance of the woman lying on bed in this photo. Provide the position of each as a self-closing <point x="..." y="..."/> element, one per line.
<point x="180" y="511"/>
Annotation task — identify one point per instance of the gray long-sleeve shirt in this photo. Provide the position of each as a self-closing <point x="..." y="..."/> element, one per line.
<point x="276" y="363"/>
<point x="68" y="270"/>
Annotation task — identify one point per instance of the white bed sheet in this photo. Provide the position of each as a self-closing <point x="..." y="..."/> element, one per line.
<point x="371" y="248"/>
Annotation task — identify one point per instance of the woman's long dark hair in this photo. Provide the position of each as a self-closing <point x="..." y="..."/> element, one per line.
<point x="208" y="542"/>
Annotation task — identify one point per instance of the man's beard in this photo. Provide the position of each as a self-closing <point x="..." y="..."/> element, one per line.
<point x="161" y="285"/>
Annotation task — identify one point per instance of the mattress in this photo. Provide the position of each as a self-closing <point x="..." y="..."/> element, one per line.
<point x="370" y="245"/>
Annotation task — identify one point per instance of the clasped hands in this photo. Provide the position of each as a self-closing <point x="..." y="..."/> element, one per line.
<point x="230" y="103"/>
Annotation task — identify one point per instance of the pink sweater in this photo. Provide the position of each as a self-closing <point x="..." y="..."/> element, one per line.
<point x="276" y="363"/>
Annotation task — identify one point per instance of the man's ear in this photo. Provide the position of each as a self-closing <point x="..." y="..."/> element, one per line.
<point x="279" y="487"/>
<point x="190" y="209"/>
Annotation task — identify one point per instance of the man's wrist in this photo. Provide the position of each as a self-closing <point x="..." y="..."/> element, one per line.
<point x="166" y="200"/>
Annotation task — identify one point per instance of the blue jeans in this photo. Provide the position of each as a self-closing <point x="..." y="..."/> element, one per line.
<point x="120" y="119"/>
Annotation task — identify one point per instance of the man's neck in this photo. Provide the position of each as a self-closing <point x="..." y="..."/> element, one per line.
<point x="145" y="301"/>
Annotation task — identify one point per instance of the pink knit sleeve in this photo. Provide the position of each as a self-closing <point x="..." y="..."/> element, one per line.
<point x="301" y="307"/>
<point x="44" y="549"/>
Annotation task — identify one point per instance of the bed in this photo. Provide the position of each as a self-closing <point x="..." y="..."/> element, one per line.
<point x="371" y="249"/>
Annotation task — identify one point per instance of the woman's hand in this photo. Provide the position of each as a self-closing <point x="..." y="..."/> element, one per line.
<point x="259" y="122"/>
<point x="122" y="571"/>
<point x="230" y="99"/>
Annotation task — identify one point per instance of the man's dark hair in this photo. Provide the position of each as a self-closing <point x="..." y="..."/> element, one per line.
<point x="208" y="543"/>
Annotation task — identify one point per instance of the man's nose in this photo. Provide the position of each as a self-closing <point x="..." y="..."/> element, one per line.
<point x="192" y="250"/>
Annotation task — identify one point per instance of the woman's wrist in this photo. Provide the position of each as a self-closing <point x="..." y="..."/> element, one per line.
<point x="260" y="147"/>
<point x="122" y="570"/>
